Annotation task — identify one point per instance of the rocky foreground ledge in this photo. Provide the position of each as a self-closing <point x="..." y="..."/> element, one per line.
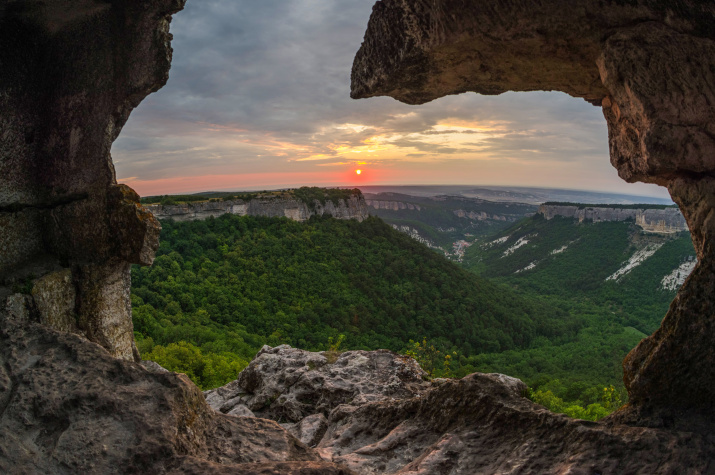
<point x="375" y="412"/>
<point x="67" y="406"/>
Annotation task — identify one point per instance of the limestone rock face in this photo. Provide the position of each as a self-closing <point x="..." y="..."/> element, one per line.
<point x="352" y="208"/>
<point x="374" y="413"/>
<point x="288" y="384"/>
<point x="393" y="205"/>
<point x="310" y="430"/>
<point x="664" y="221"/>
<point x="67" y="406"/>
<point x="70" y="76"/>
<point x="651" y="66"/>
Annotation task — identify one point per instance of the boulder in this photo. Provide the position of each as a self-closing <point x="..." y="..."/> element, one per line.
<point x="288" y="384"/>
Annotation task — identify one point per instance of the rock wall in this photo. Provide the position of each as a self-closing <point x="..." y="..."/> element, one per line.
<point x="71" y="73"/>
<point x="637" y="60"/>
<point x="69" y="77"/>
<point x="353" y="208"/>
<point x="481" y="215"/>
<point x="393" y="205"/>
<point x="663" y="221"/>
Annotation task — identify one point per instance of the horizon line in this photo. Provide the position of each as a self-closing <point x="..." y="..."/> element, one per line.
<point x="283" y="188"/>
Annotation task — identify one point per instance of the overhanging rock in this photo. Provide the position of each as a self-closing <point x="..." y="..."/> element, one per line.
<point x="650" y="65"/>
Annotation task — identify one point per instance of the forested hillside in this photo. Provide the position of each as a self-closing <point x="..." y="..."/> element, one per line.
<point x="445" y="219"/>
<point x="614" y="264"/>
<point x="542" y="310"/>
<point x="619" y="279"/>
<point x="231" y="284"/>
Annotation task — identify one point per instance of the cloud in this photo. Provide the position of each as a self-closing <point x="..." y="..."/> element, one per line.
<point x="263" y="87"/>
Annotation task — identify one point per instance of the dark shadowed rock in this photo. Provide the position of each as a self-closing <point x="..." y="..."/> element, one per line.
<point x="650" y="64"/>
<point x="70" y="74"/>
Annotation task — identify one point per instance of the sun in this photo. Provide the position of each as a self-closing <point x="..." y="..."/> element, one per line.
<point x="358" y="172"/>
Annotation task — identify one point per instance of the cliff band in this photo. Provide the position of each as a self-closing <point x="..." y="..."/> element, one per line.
<point x="351" y="208"/>
<point x="663" y="221"/>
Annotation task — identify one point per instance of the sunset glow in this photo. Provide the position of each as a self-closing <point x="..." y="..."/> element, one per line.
<point x="276" y="112"/>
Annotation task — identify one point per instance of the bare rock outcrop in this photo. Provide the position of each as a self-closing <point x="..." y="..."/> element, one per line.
<point x="67" y="406"/>
<point x="651" y="66"/>
<point x="374" y="413"/>
<point x="663" y="221"/>
<point x="288" y="384"/>
<point x="70" y="75"/>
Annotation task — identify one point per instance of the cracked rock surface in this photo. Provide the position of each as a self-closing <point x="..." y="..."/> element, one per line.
<point x="288" y="384"/>
<point x="479" y="424"/>
<point x="68" y="407"/>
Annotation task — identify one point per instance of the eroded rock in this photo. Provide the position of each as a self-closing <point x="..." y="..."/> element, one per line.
<point x="310" y="430"/>
<point x="70" y="76"/>
<point x="54" y="296"/>
<point x="288" y="384"/>
<point x="67" y="406"/>
<point x="482" y="423"/>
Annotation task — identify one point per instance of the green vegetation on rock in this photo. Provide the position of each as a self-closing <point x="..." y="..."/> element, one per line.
<point x="306" y="194"/>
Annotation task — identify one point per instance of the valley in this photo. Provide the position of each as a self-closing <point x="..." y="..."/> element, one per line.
<point x="555" y="300"/>
<point x="440" y="221"/>
<point x="227" y="286"/>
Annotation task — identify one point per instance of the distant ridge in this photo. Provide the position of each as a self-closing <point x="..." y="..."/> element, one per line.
<point x="613" y="206"/>
<point x="517" y="194"/>
<point x="299" y="205"/>
<point x="651" y="218"/>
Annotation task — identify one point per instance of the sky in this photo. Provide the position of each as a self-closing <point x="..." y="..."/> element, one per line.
<point x="259" y="98"/>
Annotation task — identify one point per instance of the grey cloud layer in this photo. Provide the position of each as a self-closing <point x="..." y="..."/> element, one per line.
<point x="250" y="78"/>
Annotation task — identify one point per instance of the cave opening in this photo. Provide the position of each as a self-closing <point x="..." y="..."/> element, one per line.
<point x="71" y="76"/>
<point x="185" y="138"/>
